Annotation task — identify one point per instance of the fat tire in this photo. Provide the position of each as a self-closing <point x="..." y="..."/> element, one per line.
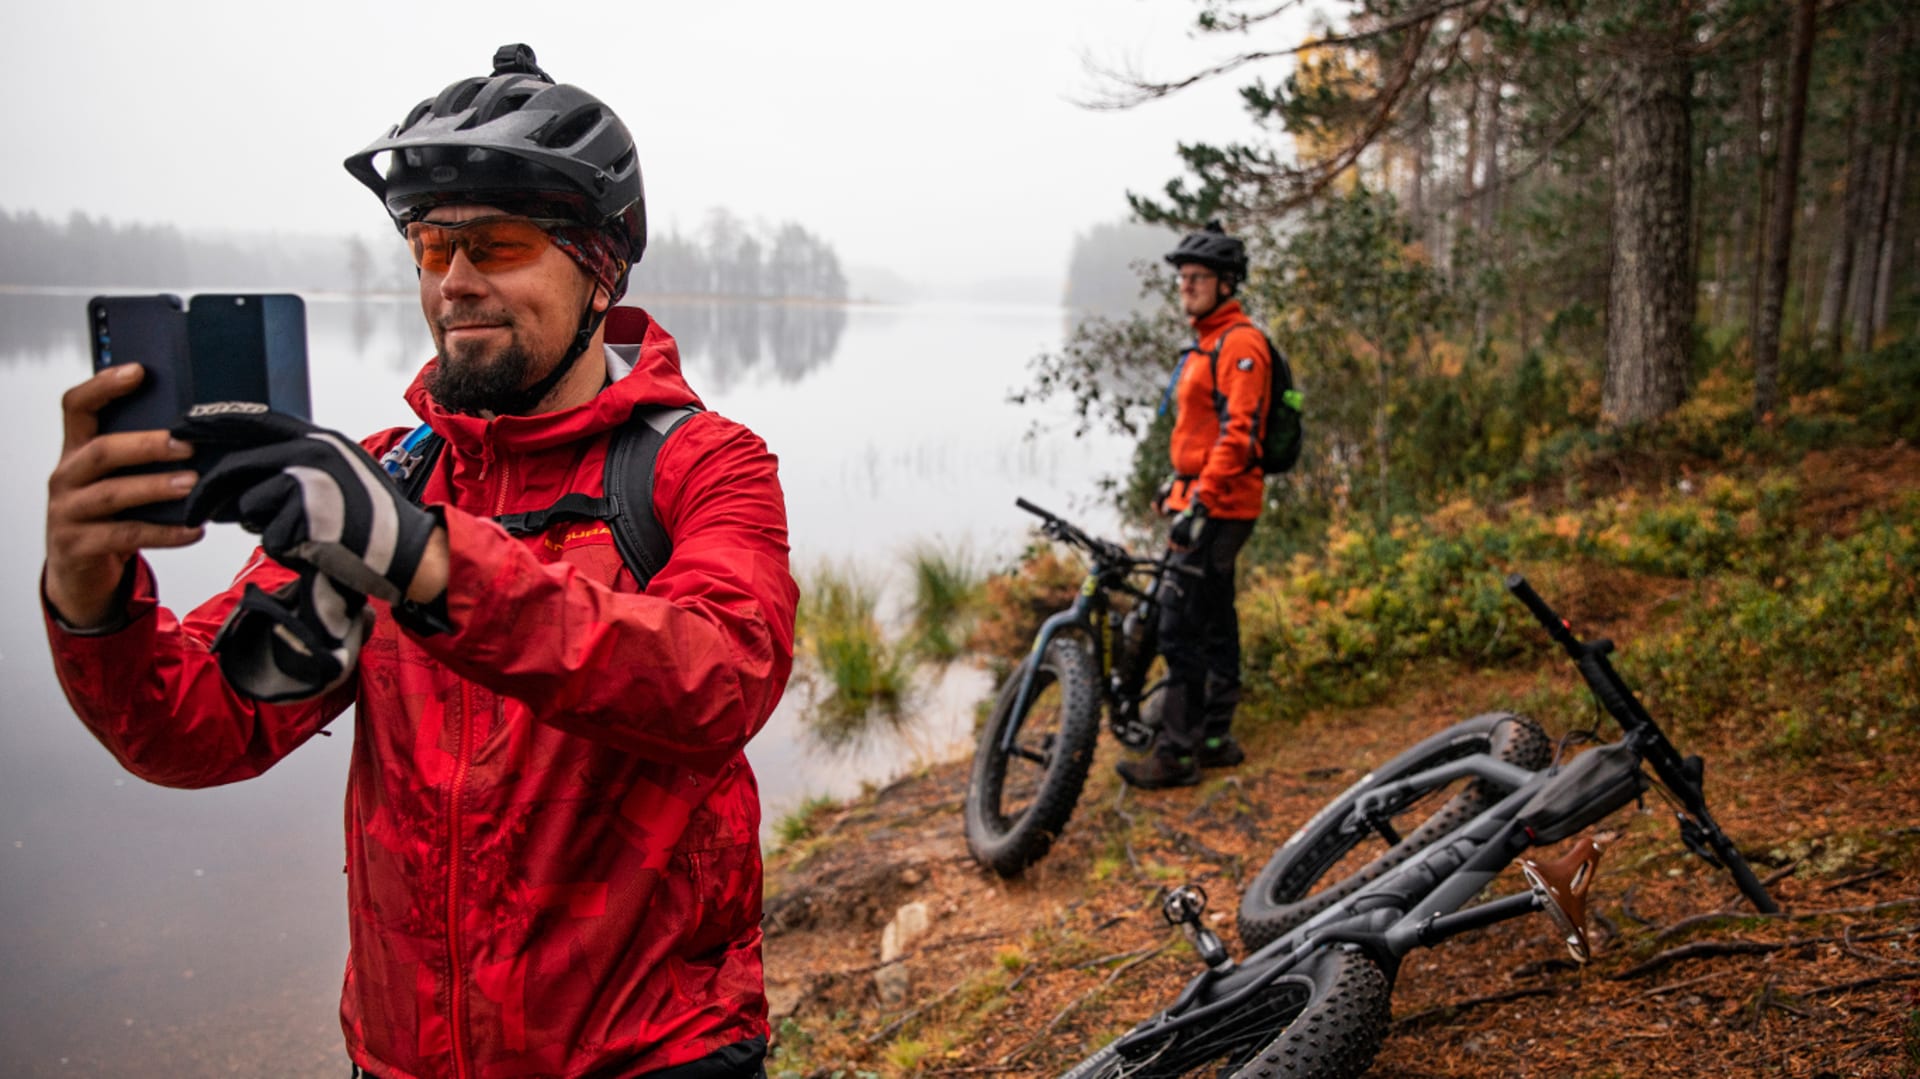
<point x="1008" y="845"/>
<point x="1281" y="896"/>
<point x="1333" y="1034"/>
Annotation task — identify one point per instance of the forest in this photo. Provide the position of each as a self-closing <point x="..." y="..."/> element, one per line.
<point x="1605" y="207"/>
<point x="1619" y="295"/>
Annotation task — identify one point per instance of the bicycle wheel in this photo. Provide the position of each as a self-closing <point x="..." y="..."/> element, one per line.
<point x="1325" y="1021"/>
<point x="1331" y="857"/>
<point x="1019" y="798"/>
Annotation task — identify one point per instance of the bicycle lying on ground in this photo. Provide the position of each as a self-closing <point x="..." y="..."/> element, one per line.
<point x="1033" y="755"/>
<point x="1388" y="866"/>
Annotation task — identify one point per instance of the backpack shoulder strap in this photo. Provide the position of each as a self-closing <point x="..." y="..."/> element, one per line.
<point x="626" y="480"/>
<point x="642" y="541"/>
<point x="1213" y="358"/>
<point x="410" y="461"/>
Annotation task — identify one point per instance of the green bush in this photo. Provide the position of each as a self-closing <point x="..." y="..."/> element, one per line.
<point x="1831" y="649"/>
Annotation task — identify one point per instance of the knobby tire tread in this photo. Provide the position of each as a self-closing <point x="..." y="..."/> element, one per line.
<point x="1009" y="846"/>
<point x="1278" y="899"/>
<point x="1334" y="1035"/>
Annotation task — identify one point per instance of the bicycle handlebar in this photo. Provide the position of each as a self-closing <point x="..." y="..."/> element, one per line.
<point x="1557" y="627"/>
<point x="1614" y="695"/>
<point x="1061" y="528"/>
<point x="1589" y="656"/>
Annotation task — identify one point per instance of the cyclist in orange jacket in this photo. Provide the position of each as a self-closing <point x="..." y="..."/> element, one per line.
<point x="1219" y="395"/>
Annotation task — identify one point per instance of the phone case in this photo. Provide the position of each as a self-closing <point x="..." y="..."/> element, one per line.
<point x="251" y="347"/>
<point x="150" y="331"/>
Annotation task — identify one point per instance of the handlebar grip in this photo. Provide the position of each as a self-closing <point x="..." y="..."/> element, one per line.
<point x="1556" y="627"/>
<point x="1033" y="509"/>
<point x="1606" y="687"/>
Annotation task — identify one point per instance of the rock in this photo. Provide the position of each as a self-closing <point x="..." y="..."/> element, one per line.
<point x="909" y="924"/>
<point x="911" y="876"/>
<point x="783" y="1000"/>
<point x="892" y="981"/>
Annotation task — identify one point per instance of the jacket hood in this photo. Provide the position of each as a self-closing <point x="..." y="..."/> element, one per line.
<point x="634" y="341"/>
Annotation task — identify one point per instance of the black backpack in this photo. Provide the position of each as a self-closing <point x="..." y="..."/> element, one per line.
<point x="1280" y="431"/>
<point x="626" y="507"/>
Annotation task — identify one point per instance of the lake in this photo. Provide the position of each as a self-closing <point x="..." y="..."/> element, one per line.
<point x="158" y="932"/>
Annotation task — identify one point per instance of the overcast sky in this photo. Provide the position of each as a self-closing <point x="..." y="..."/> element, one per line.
<point x="941" y="141"/>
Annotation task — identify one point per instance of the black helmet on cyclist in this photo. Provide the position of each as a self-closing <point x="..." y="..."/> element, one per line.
<point x="1213" y="248"/>
<point x="512" y="139"/>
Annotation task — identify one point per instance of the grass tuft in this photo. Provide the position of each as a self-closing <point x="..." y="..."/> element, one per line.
<point x="863" y="676"/>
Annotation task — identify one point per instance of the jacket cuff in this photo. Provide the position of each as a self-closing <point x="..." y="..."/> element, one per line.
<point x="132" y="598"/>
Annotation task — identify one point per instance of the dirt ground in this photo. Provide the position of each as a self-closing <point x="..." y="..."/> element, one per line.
<point x="1026" y="977"/>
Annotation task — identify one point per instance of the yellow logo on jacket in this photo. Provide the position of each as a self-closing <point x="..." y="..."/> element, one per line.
<point x="578" y="536"/>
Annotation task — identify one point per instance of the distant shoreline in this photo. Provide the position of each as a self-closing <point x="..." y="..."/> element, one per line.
<point x="339" y="296"/>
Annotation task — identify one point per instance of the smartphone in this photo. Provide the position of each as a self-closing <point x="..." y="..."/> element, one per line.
<point x="150" y="331"/>
<point x="250" y="348"/>
<point x="219" y="347"/>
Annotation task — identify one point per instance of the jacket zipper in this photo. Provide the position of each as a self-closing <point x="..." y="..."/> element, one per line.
<point x="456" y="1018"/>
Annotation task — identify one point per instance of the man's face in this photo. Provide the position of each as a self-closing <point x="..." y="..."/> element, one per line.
<point x="1200" y="290"/>
<point x="499" y="330"/>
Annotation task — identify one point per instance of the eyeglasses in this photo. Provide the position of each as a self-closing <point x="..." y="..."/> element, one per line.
<point x="1192" y="277"/>
<point x="495" y="243"/>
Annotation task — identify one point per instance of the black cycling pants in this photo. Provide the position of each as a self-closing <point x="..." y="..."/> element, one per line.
<point x="1200" y="639"/>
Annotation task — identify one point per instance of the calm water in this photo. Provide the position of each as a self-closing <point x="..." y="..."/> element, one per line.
<point x="153" y="932"/>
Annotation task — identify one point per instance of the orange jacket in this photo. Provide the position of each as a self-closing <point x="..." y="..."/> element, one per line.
<point x="1216" y="428"/>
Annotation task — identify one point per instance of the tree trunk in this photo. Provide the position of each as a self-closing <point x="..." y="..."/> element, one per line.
<point x="1879" y="185"/>
<point x="1786" y="198"/>
<point x="1896" y="187"/>
<point x="1650" y="288"/>
<point x="1833" y="296"/>
<point x="1883" y="295"/>
<point x="1754" y="254"/>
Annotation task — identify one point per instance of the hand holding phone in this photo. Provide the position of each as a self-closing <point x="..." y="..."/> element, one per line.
<point x="226" y="347"/>
<point x="90" y="543"/>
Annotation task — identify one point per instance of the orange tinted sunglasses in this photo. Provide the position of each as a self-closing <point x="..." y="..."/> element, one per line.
<point x="495" y="243"/>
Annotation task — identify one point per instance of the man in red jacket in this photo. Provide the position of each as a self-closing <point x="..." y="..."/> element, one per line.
<point x="1219" y="399"/>
<point x="552" y="831"/>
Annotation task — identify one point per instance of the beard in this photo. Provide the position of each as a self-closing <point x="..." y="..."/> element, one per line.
<point x="472" y="381"/>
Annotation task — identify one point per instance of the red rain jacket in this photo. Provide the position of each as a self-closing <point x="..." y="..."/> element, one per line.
<point x="1216" y="445"/>
<point x="552" y="832"/>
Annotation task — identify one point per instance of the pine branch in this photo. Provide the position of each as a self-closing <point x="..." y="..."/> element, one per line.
<point x="1138" y="90"/>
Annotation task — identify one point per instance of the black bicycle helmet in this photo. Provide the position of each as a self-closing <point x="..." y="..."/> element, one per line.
<point x="1213" y="248"/>
<point x="513" y="135"/>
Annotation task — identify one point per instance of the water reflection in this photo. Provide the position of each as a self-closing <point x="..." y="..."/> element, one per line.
<point x="725" y="341"/>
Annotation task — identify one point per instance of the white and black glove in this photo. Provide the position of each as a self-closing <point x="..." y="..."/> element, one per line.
<point x="295" y="642"/>
<point x="316" y="499"/>
<point x="1188" y="526"/>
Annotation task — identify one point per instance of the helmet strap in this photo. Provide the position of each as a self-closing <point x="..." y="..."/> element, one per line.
<point x="583" y="337"/>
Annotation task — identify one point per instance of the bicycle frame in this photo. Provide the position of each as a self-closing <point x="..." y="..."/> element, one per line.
<point x="1091" y="611"/>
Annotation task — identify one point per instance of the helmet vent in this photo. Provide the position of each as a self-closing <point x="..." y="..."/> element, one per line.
<point x="512" y="103"/>
<point x="573" y="128"/>
<point x="418" y="114"/>
<point x="464" y="98"/>
<point x="621" y="164"/>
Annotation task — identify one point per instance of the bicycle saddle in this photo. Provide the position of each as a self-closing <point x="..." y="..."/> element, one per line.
<point x="1561" y="886"/>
